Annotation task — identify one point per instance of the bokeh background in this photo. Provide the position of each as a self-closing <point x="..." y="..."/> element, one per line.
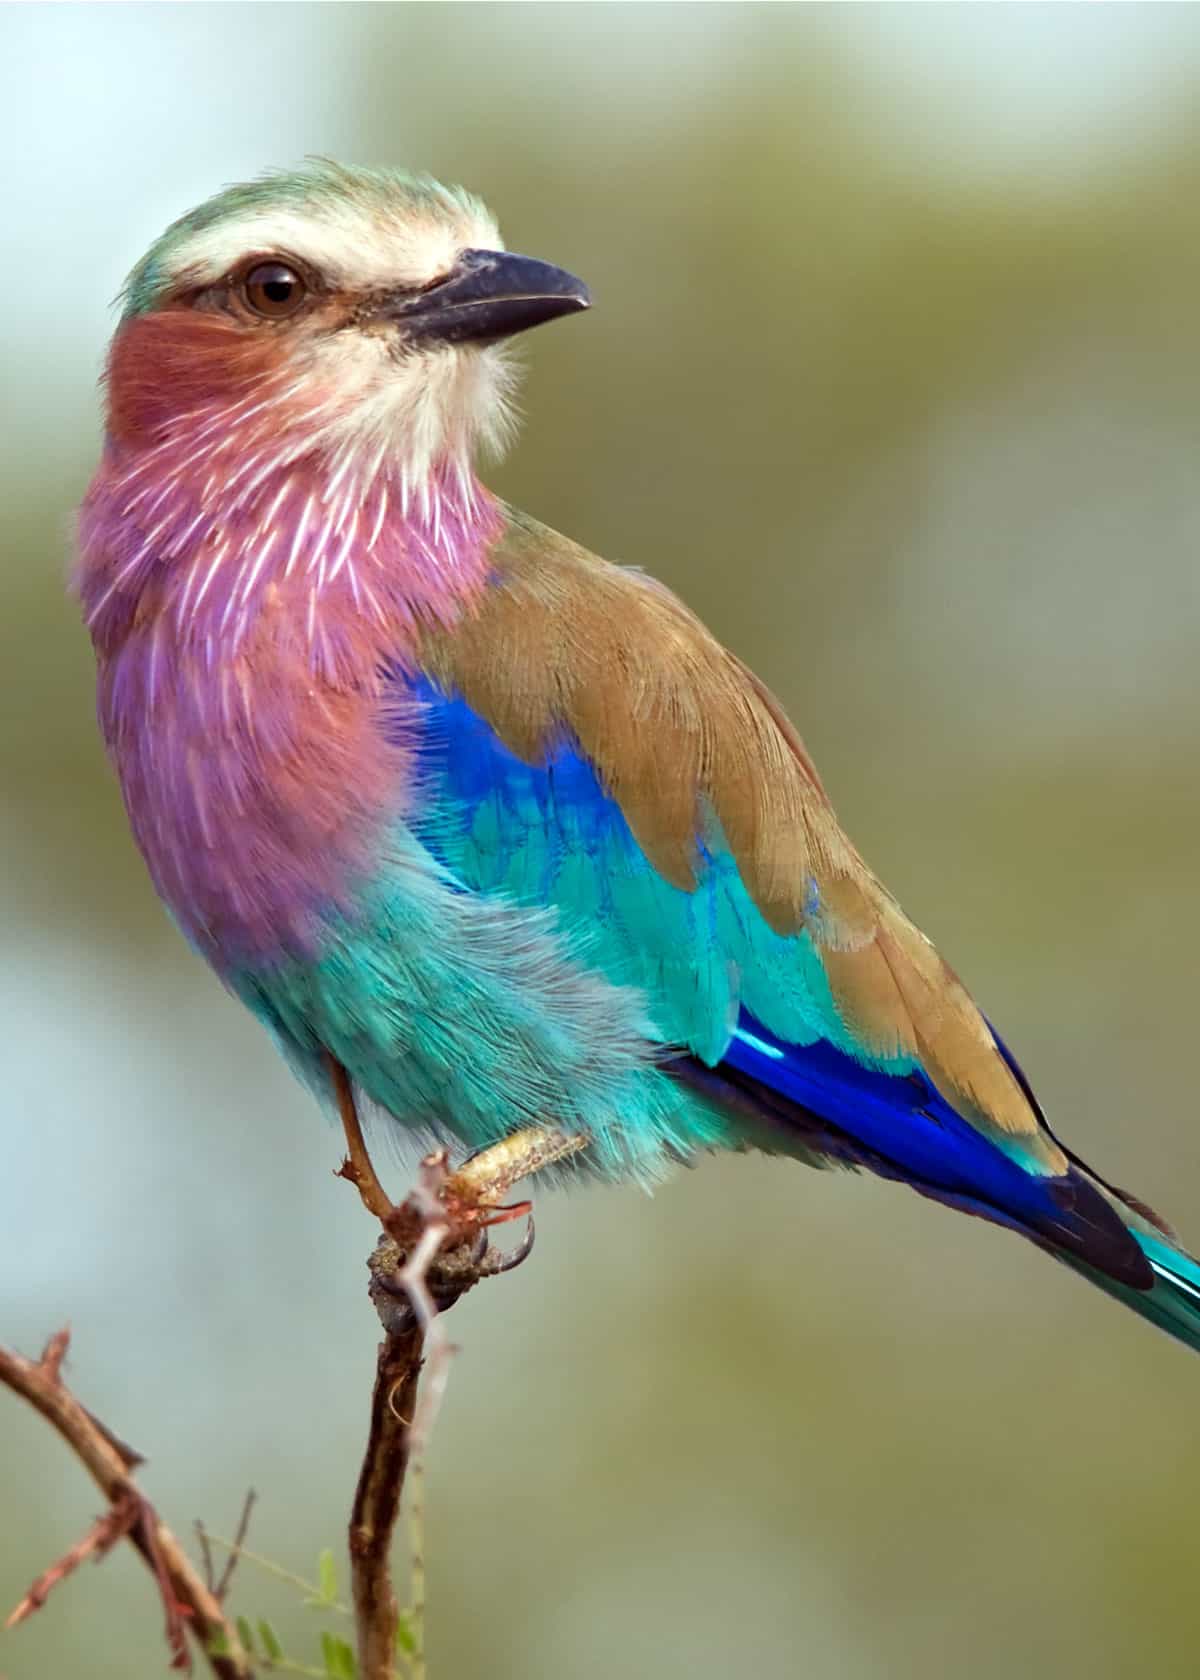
<point x="893" y="372"/>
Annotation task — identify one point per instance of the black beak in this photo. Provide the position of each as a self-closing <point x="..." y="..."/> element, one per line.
<point x="487" y="295"/>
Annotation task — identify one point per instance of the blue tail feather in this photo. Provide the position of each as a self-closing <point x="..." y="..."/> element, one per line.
<point x="899" y="1126"/>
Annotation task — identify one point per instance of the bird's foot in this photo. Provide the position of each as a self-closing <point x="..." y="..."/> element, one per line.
<point x="436" y="1246"/>
<point x="448" y="1276"/>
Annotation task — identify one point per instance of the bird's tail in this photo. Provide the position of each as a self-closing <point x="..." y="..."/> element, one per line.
<point x="901" y="1128"/>
<point x="1173" y="1299"/>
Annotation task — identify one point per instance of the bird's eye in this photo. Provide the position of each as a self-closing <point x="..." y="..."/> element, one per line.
<point x="273" y="289"/>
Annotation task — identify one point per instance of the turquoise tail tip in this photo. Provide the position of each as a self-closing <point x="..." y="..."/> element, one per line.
<point x="1173" y="1301"/>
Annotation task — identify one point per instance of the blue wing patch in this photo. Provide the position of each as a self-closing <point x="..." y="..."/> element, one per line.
<point x="550" y="835"/>
<point x="747" y="1011"/>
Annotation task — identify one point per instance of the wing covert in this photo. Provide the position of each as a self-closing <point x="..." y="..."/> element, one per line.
<point x="588" y="744"/>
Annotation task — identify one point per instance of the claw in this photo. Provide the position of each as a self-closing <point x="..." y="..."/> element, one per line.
<point x="455" y="1269"/>
<point x="495" y="1263"/>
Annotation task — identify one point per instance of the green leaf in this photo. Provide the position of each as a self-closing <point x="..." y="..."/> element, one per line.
<point x="270" y="1641"/>
<point x="246" y="1633"/>
<point x="327" y="1576"/>
<point x="406" y="1639"/>
<point x="340" y="1661"/>
<point x="218" y="1643"/>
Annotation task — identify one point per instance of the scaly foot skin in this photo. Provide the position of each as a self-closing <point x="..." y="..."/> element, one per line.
<point x="486" y="1177"/>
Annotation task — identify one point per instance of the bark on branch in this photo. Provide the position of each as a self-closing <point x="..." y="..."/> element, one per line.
<point x="434" y="1247"/>
<point x="188" y="1604"/>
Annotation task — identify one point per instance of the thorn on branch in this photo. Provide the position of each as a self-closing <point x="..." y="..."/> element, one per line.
<point x="53" y="1354"/>
<point x="130" y="1457"/>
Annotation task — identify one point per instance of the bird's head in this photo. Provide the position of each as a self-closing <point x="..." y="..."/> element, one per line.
<point x="361" y="314"/>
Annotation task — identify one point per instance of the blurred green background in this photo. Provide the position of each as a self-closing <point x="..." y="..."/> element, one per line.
<point x="893" y="373"/>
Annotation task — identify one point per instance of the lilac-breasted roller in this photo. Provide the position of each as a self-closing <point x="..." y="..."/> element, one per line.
<point x="492" y="834"/>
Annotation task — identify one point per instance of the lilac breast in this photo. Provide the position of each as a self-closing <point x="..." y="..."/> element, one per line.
<point x="242" y="637"/>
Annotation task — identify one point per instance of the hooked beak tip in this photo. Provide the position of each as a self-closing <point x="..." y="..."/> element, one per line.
<point x="488" y="296"/>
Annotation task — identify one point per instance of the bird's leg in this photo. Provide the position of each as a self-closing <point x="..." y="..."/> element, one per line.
<point x="465" y="1205"/>
<point x="484" y="1179"/>
<point x="357" y="1167"/>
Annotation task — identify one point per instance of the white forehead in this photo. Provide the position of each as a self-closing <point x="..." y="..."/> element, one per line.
<point x="349" y="242"/>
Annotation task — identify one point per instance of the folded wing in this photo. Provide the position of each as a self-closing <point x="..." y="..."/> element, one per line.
<point x="586" y="745"/>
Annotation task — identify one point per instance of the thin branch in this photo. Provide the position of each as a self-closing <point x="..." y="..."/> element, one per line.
<point x="401" y="1417"/>
<point x="313" y="1593"/>
<point x="377" y="1501"/>
<point x="433" y="1250"/>
<point x="221" y="1590"/>
<point x="99" y="1539"/>
<point x="206" y="1557"/>
<point x="236" y="1549"/>
<point x="187" y="1602"/>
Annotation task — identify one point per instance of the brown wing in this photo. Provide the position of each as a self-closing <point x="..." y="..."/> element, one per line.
<point x="680" y="732"/>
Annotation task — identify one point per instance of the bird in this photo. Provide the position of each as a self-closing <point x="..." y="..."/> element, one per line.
<point x="494" y="836"/>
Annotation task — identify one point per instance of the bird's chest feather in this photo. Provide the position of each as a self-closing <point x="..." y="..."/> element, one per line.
<point x="242" y="643"/>
<point x="259" y="780"/>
